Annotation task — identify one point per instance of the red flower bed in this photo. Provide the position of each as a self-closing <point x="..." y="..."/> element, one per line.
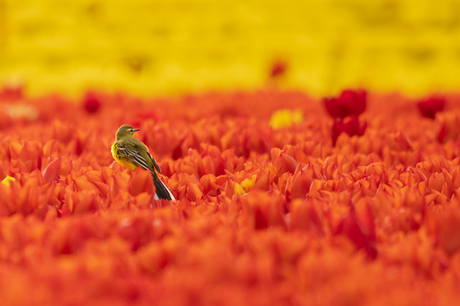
<point x="263" y="216"/>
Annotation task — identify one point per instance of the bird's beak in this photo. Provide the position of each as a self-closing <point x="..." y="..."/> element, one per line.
<point x="135" y="130"/>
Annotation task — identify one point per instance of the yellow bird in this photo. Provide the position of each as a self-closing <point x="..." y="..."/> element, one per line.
<point x="132" y="153"/>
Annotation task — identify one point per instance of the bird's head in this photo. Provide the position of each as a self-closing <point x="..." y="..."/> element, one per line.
<point x="126" y="130"/>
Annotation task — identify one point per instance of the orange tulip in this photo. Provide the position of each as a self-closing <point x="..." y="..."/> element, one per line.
<point x="262" y="216"/>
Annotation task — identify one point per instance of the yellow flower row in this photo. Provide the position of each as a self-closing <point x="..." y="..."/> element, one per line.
<point x="177" y="46"/>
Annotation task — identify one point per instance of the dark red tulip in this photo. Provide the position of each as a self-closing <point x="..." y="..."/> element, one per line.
<point x="430" y="106"/>
<point x="350" y="125"/>
<point x="278" y="69"/>
<point x="362" y="236"/>
<point x="91" y="102"/>
<point x="349" y="103"/>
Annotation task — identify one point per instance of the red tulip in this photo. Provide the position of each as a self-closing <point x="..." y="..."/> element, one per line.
<point x="350" y="125"/>
<point x="278" y="69"/>
<point x="349" y="103"/>
<point x="363" y="236"/>
<point x="430" y="106"/>
<point x="91" y="102"/>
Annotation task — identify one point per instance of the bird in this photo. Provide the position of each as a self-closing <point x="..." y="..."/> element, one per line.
<point x="133" y="153"/>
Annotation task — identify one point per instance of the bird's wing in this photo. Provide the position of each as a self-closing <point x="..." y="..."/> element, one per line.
<point x="131" y="152"/>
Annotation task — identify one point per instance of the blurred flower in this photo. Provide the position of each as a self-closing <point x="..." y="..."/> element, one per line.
<point x="448" y="127"/>
<point x="349" y="103"/>
<point x="345" y="110"/>
<point x="6" y="181"/>
<point x="285" y="118"/>
<point x="18" y="111"/>
<point x="12" y="90"/>
<point x="430" y="106"/>
<point x="248" y="183"/>
<point x="363" y="236"/>
<point x="349" y="125"/>
<point x="91" y="102"/>
<point x="278" y="69"/>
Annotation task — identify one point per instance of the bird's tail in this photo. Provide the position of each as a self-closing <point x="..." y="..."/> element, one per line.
<point x="162" y="192"/>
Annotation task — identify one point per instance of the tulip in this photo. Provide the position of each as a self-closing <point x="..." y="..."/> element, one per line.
<point x="91" y="102"/>
<point x="430" y="106"/>
<point x="262" y="216"/>
<point x="350" y="126"/>
<point x="278" y="68"/>
<point x="349" y="103"/>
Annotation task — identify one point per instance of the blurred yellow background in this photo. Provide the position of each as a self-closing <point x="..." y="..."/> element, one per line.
<point x="151" y="47"/>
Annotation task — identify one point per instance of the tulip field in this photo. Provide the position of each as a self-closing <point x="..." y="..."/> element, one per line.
<point x="312" y="148"/>
<point x="263" y="216"/>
